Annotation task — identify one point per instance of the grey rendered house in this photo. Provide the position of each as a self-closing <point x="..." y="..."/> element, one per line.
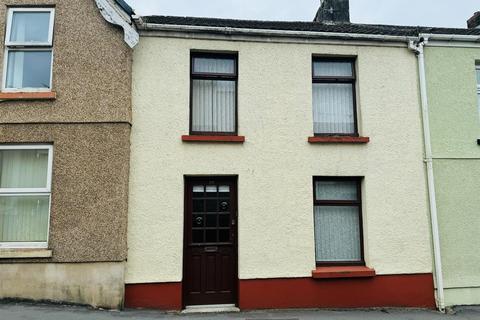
<point x="65" y="116"/>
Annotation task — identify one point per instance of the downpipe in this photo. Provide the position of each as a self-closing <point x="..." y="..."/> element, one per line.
<point x="417" y="46"/>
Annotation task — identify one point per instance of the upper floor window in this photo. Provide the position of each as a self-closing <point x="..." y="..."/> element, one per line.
<point x="334" y="98"/>
<point x="338" y="220"/>
<point x="25" y="187"/>
<point x="28" y="49"/>
<point x="478" y="86"/>
<point x="213" y="96"/>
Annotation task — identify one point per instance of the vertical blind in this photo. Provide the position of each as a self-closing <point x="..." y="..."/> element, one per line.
<point x="333" y="102"/>
<point x="23" y="215"/>
<point x="337" y="227"/>
<point x="337" y="234"/>
<point x="213" y="107"/>
<point x="213" y="99"/>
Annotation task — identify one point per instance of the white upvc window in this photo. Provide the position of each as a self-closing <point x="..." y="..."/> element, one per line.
<point x="28" y="54"/>
<point x="25" y="192"/>
<point x="478" y="87"/>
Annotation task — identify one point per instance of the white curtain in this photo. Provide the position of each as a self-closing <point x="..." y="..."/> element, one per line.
<point x="337" y="234"/>
<point x="213" y="107"/>
<point x="15" y="69"/>
<point x="30" y="27"/>
<point x="336" y="190"/>
<point x="216" y="66"/>
<point x="23" y="168"/>
<point x="24" y="218"/>
<point x="333" y="108"/>
<point x="29" y="69"/>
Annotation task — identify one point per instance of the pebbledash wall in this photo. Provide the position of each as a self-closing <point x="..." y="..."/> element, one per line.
<point x="455" y="128"/>
<point x="275" y="167"/>
<point x="88" y="125"/>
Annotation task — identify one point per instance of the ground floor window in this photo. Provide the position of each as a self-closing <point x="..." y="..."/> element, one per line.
<point x="338" y="220"/>
<point x="25" y="190"/>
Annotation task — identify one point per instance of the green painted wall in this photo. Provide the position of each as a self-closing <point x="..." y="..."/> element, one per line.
<point x="455" y="128"/>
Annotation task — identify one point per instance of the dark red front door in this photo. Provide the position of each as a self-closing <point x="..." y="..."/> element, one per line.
<point x="210" y="256"/>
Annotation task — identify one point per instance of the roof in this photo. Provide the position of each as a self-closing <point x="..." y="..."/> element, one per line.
<point x="354" y="28"/>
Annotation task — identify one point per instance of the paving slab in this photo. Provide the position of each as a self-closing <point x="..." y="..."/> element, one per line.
<point x="26" y="311"/>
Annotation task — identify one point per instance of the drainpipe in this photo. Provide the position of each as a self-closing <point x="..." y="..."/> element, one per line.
<point x="418" y="47"/>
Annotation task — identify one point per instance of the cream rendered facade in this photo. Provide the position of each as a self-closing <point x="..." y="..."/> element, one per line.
<point x="276" y="164"/>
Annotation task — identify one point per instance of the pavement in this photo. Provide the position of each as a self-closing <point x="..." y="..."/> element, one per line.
<point x="25" y="311"/>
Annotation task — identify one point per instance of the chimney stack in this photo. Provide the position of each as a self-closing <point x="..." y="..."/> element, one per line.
<point x="333" y="11"/>
<point x="474" y="22"/>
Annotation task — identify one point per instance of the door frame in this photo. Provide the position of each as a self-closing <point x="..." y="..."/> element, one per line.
<point x="189" y="179"/>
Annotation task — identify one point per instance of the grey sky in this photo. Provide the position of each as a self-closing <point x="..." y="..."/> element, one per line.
<point x="444" y="13"/>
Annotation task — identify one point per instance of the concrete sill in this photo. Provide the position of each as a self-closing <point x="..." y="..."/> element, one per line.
<point x="25" y="253"/>
<point x="230" y="139"/>
<point x="12" y="96"/>
<point x="339" y="139"/>
<point x="343" y="272"/>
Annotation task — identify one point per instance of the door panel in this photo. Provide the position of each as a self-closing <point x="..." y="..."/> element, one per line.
<point x="210" y="253"/>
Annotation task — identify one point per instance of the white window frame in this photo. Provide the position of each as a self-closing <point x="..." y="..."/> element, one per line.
<point x="477" y="69"/>
<point x="25" y="46"/>
<point x="4" y="192"/>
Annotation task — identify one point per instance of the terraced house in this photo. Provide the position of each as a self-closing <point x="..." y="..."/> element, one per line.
<point x="259" y="164"/>
<point x="289" y="164"/>
<point x="65" y="113"/>
<point x="452" y="70"/>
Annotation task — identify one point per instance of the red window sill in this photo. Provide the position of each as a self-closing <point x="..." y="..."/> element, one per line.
<point x="49" y="95"/>
<point x="339" y="139"/>
<point x="232" y="139"/>
<point x="343" y="272"/>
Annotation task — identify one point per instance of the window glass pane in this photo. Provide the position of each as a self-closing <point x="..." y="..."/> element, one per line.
<point x="216" y="66"/>
<point x="336" y="190"/>
<point x="478" y="76"/>
<point x="213" y="106"/>
<point x="24" y="218"/>
<point x="332" y="69"/>
<point x="337" y="234"/>
<point x="30" y="27"/>
<point x="333" y="111"/>
<point x="29" y="69"/>
<point x="23" y="168"/>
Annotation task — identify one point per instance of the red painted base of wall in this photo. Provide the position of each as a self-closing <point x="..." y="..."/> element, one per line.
<point x="414" y="291"/>
<point x="163" y="296"/>
<point x="380" y="291"/>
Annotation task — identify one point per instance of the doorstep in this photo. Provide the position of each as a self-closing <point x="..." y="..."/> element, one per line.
<point x="212" y="308"/>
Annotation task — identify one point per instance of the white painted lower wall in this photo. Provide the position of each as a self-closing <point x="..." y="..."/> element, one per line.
<point x="276" y="164"/>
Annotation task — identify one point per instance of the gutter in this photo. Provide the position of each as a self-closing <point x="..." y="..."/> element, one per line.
<point x="449" y="37"/>
<point x="418" y="48"/>
<point x="144" y="26"/>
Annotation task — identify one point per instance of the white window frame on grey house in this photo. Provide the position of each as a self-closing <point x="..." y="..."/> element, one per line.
<point x="12" y="46"/>
<point x="477" y="69"/>
<point x="28" y="192"/>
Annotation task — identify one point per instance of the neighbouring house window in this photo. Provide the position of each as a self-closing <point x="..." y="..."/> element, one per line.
<point x="334" y="106"/>
<point x="478" y="88"/>
<point x="28" y="49"/>
<point x="338" y="221"/>
<point x="213" y="94"/>
<point x="25" y="189"/>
